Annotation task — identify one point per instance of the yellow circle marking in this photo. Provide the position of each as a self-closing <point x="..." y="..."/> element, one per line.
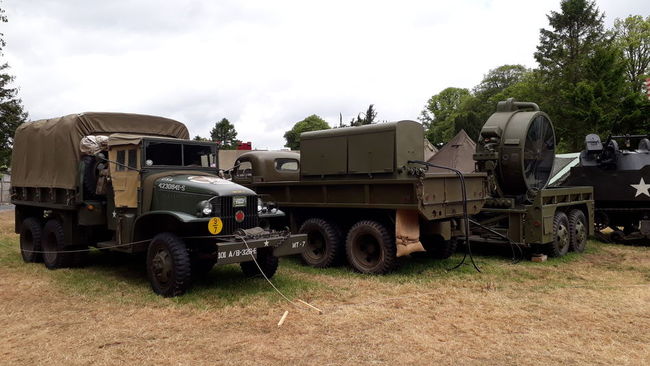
<point x="215" y="225"/>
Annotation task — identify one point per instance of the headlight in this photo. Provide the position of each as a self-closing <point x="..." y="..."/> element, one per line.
<point x="203" y="208"/>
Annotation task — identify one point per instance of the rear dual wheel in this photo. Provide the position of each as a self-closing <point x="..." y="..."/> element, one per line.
<point x="569" y="233"/>
<point x="324" y="239"/>
<point x="370" y="248"/>
<point x="30" y="240"/>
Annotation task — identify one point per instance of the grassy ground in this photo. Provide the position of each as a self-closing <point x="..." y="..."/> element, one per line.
<point x="582" y="309"/>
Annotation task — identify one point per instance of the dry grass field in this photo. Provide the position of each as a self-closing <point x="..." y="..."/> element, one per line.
<point x="590" y="309"/>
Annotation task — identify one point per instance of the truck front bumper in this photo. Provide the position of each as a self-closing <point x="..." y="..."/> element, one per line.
<point x="244" y="250"/>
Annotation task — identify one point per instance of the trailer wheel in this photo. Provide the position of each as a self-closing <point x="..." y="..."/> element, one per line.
<point x="30" y="240"/>
<point x="265" y="259"/>
<point x="323" y="243"/>
<point x="371" y="248"/>
<point x="168" y="265"/>
<point x="437" y="247"/>
<point x="561" y="236"/>
<point x="53" y="243"/>
<point x="578" y="230"/>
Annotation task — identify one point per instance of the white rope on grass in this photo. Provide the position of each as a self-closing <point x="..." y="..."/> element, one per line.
<point x="271" y="283"/>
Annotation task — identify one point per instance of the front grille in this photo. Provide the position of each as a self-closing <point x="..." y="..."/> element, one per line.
<point x="222" y="207"/>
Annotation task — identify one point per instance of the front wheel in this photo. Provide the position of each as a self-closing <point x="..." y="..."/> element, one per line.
<point x="371" y="248"/>
<point x="168" y="265"/>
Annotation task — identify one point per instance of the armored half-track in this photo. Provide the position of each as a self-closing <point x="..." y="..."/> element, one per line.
<point x="619" y="171"/>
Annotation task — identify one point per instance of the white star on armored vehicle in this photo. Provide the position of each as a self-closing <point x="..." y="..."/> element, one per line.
<point x="641" y="188"/>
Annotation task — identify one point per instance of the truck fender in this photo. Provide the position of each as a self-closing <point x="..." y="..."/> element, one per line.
<point x="151" y="223"/>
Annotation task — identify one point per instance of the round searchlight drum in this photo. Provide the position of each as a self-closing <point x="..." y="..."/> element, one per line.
<point x="524" y="138"/>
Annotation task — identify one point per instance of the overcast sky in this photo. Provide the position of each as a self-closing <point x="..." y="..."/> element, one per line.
<point x="264" y="65"/>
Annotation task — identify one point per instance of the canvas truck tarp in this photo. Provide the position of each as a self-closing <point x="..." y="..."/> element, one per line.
<point x="458" y="153"/>
<point x="46" y="152"/>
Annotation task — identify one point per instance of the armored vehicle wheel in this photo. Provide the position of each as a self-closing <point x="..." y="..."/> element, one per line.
<point x="617" y="237"/>
<point x="168" y="265"/>
<point x="53" y="243"/>
<point x="437" y="247"/>
<point x="324" y="243"/>
<point x="267" y="261"/>
<point x="561" y="236"/>
<point x="578" y="230"/>
<point x="370" y="248"/>
<point x="30" y="240"/>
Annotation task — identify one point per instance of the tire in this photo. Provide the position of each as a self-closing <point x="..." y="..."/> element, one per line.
<point x="201" y="267"/>
<point x="437" y="247"/>
<point x="265" y="259"/>
<point x="168" y="265"/>
<point x="324" y="247"/>
<point x="370" y="248"/>
<point x="578" y="230"/>
<point x="53" y="245"/>
<point x="30" y="240"/>
<point x="561" y="236"/>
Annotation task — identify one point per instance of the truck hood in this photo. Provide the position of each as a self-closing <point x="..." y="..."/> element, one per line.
<point x="200" y="184"/>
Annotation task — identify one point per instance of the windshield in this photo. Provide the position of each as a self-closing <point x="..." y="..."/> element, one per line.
<point x="178" y="154"/>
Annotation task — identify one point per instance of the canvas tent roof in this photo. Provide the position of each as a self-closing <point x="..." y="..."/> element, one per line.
<point x="458" y="153"/>
<point x="429" y="150"/>
<point x="46" y="152"/>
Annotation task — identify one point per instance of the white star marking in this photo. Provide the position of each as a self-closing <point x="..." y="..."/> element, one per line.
<point x="641" y="188"/>
<point x="114" y="214"/>
<point x="266" y="243"/>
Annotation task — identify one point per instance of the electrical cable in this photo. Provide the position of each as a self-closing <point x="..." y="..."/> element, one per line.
<point x="511" y="242"/>
<point x="461" y="176"/>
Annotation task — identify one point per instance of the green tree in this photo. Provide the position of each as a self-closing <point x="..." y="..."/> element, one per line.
<point x="498" y="79"/>
<point x="311" y="123"/>
<point x="580" y="73"/>
<point x="368" y="117"/>
<point x="632" y="35"/>
<point x="200" y="138"/>
<point x="224" y="134"/>
<point x="11" y="109"/>
<point x="440" y="112"/>
<point x="576" y="30"/>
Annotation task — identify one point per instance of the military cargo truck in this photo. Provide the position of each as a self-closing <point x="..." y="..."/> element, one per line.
<point x="355" y="194"/>
<point x="516" y="148"/>
<point x="143" y="187"/>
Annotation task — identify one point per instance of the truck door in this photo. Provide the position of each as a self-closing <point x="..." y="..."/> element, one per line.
<point x="124" y="166"/>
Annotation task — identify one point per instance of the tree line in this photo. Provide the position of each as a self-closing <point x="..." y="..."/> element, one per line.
<point x="588" y="79"/>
